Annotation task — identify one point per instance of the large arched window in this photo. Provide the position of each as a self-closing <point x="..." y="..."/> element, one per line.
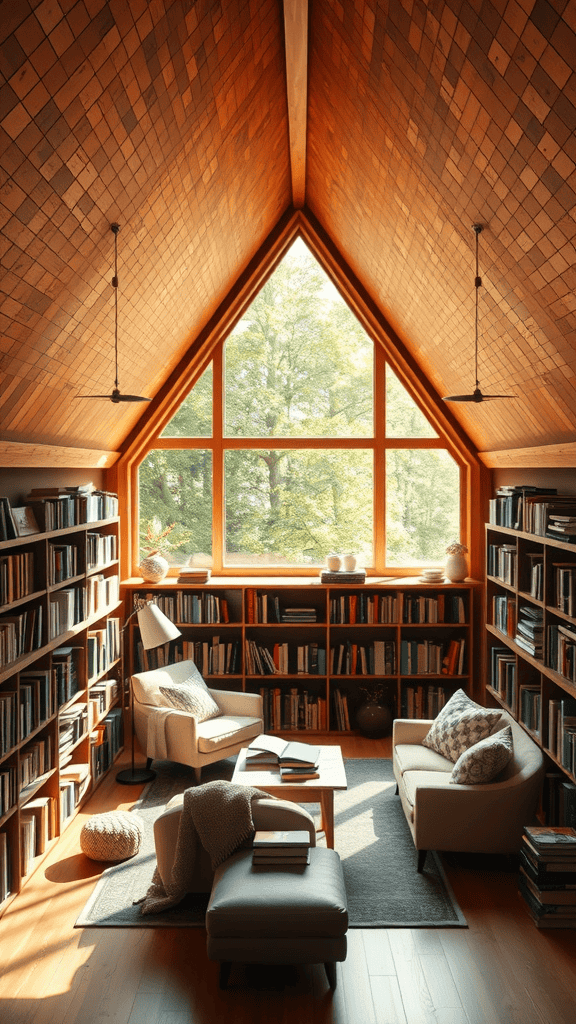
<point x="298" y="439"/>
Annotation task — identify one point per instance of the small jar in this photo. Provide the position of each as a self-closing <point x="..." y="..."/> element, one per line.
<point x="334" y="562"/>
<point x="349" y="563"/>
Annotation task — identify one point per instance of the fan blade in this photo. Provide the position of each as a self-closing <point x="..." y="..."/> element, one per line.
<point x="476" y="396"/>
<point x="93" y="396"/>
<point x="131" y="398"/>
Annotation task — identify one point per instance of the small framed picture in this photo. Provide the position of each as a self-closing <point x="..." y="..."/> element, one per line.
<point x="25" y="521"/>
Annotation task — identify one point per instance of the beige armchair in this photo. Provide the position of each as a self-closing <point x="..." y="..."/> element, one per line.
<point x="166" y="733"/>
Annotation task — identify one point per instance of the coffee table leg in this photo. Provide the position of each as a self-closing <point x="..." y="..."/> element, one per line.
<point x="327" y="808"/>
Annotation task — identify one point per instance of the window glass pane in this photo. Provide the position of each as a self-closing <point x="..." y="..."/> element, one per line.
<point x="194" y="417"/>
<point x="403" y="417"/>
<point x="289" y="508"/>
<point x="176" y="488"/>
<point x="298" y="364"/>
<point x="422" y="506"/>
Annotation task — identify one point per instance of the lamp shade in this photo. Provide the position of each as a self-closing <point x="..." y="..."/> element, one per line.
<point x="155" y="627"/>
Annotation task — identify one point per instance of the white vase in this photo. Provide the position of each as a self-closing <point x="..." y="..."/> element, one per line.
<point x="153" y="568"/>
<point x="456" y="568"/>
<point x="334" y="563"/>
<point x="349" y="563"/>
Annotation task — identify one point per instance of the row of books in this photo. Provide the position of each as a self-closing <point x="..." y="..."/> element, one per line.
<point x="5" y="873"/>
<point x="547" y="875"/>
<point x="503" y="674"/>
<point x="561" y="654"/>
<point x="529" y="706"/>
<point x="7" y="524"/>
<point x="504" y="613"/>
<point x="364" y="608"/>
<point x="530" y="630"/>
<point x="342" y="718"/>
<point x="101" y="549"/>
<point x="105" y="742"/>
<point x="63" y="562"/>
<point x="71" y="507"/>
<point x="74" y="783"/>
<point x="66" y="609"/>
<point x="532" y="509"/>
<point x="198" y="609"/>
<point x="565" y="587"/>
<point x="8" y="788"/>
<point x="292" y="710"/>
<point x="36" y="701"/>
<point x="430" y="657"/>
<point x="501" y="562"/>
<point x="16" y="576"/>
<point x="101" y="697"/>
<point x="102" y="592"/>
<point x="562" y="731"/>
<point x="65" y="671"/>
<point x="423" y="701"/>
<point x="8" y="721"/>
<point x="37" y="828"/>
<point x="72" y="726"/>
<point x="20" y="634"/>
<point x="263" y="608"/>
<point x="103" y="647"/>
<point x="447" y="607"/>
<point x="375" y="659"/>
<point x="35" y="760"/>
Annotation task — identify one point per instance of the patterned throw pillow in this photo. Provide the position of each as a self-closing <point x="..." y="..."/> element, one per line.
<point x="460" y="724"/>
<point x="485" y="760"/>
<point x="193" y="696"/>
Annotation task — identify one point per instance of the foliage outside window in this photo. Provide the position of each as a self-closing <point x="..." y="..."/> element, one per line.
<point x="297" y="459"/>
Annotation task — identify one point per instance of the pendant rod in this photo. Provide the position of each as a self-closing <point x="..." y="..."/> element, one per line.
<point x="477" y="284"/>
<point x="115" y="228"/>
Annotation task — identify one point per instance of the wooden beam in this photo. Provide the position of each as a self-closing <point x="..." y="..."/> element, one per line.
<point x="296" y="44"/>
<point x="547" y="456"/>
<point x="48" y="456"/>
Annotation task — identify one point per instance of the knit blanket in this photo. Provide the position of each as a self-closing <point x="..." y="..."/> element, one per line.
<point x="218" y="816"/>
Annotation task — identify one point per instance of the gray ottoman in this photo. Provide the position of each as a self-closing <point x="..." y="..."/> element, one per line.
<point x="273" y="914"/>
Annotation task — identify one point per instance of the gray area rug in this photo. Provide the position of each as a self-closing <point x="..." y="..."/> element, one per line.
<point x="371" y="835"/>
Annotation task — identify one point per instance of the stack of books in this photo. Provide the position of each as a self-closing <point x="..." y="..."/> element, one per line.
<point x="547" y="878"/>
<point x="296" y="761"/>
<point x="281" y="848"/>
<point x="193" y="575"/>
<point x="341" y="576"/>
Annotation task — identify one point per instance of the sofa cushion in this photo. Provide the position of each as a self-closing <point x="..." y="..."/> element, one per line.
<point x="459" y="725"/>
<point x="410" y="757"/>
<point x="412" y="781"/>
<point x="193" y="696"/>
<point x="485" y="760"/>
<point x="220" y="732"/>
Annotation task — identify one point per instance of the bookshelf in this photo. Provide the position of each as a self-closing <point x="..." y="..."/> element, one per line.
<point x="531" y="646"/>
<point x="60" y="707"/>
<point x="316" y="651"/>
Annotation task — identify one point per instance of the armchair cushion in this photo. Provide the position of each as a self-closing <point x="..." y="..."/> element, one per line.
<point x="191" y="695"/>
<point x="221" y="731"/>
<point x="485" y="760"/>
<point x="460" y="724"/>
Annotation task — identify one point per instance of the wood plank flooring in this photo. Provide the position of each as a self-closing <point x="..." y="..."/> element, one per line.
<point x="500" y="970"/>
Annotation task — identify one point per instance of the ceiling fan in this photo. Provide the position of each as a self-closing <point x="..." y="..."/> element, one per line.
<point x="116" y="395"/>
<point x="476" y="395"/>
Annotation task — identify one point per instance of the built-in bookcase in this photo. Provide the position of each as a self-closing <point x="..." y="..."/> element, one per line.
<point x="60" y="684"/>
<point x="531" y="649"/>
<point x="317" y="651"/>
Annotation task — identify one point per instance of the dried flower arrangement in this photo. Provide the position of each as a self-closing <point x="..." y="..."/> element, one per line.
<point x="456" y="549"/>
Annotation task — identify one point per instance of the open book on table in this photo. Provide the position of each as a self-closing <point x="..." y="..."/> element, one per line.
<point x="266" y="751"/>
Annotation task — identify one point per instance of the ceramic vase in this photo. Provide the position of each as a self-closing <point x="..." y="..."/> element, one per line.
<point x="456" y="568"/>
<point x="373" y="719"/>
<point x="153" y="568"/>
<point x="334" y="563"/>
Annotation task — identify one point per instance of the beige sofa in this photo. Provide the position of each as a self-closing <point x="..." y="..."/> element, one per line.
<point x="486" y="818"/>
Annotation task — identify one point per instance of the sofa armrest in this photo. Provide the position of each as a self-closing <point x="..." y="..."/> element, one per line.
<point x="409" y="730"/>
<point x="232" y="702"/>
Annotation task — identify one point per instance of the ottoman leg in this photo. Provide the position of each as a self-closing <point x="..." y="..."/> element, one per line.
<point x="331" y="974"/>
<point x="225" y="968"/>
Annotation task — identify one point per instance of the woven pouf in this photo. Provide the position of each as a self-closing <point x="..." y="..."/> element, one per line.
<point x="113" y="835"/>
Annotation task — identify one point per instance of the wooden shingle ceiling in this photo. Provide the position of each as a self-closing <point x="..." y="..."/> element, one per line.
<point x="173" y="118"/>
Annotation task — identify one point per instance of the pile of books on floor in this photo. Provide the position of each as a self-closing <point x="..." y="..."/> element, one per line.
<point x="296" y="761"/>
<point x="281" y="849"/>
<point x="547" y="878"/>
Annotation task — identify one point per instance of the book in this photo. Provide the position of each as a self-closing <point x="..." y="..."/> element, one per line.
<point x="281" y="840"/>
<point x="298" y="774"/>
<point x="559" y="838"/>
<point x="287" y="859"/>
<point x="266" y="750"/>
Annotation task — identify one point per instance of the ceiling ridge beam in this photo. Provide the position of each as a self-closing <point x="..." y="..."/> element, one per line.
<point x="296" y="53"/>
<point x="53" y="456"/>
<point x="546" y="456"/>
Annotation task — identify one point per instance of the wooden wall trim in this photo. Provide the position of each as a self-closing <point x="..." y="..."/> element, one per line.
<point x="548" y="456"/>
<point x="296" y="44"/>
<point x="48" y="456"/>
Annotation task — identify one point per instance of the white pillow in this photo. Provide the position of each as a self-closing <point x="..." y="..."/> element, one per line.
<point x="459" y="725"/>
<point x="485" y="760"/>
<point x="191" y="695"/>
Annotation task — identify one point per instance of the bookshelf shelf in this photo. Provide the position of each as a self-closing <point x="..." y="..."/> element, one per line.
<point x="351" y="656"/>
<point x="36" y="676"/>
<point x="523" y="662"/>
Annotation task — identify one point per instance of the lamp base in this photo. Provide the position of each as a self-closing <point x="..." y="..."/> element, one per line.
<point x="134" y="776"/>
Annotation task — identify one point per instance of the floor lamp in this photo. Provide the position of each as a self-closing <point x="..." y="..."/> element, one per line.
<point x="155" y="629"/>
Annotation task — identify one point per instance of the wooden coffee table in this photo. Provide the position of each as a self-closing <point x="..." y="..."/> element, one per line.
<point x="309" y="791"/>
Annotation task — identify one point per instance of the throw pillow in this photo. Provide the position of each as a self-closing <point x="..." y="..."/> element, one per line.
<point x="459" y="725"/>
<point x="485" y="760"/>
<point x="191" y="695"/>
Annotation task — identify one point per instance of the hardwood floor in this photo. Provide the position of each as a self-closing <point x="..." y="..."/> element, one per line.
<point x="500" y="970"/>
